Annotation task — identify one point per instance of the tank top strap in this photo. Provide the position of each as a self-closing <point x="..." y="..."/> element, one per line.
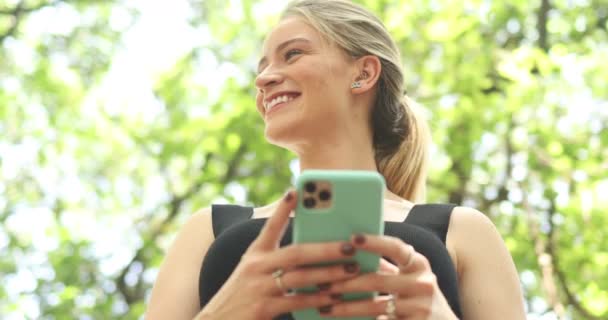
<point x="223" y="216"/>
<point x="434" y="217"/>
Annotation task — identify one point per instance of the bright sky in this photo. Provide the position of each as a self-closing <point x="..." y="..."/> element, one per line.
<point x="152" y="48"/>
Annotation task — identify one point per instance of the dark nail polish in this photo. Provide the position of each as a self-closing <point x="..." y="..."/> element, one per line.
<point x="324" y="286"/>
<point x="336" y="296"/>
<point x="325" y="309"/>
<point x="359" y="238"/>
<point x="288" y="196"/>
<point x="350" y="267"/>
<point x="348" y="249"/>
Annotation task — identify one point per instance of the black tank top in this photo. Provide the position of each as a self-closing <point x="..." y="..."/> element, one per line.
<point x="425" y="228"/>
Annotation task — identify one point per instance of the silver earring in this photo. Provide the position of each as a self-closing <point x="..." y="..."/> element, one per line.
<point x="355" y="85"/>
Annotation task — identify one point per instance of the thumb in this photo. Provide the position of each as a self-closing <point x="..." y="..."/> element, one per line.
<point x="274" y="228"/>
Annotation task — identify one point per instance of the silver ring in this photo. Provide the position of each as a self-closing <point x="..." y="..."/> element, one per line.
<point x="390" y="308"/>
<point x="277" y="274"/>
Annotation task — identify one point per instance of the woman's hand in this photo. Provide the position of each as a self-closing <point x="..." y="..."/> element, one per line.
<point x="257" y="288"/>
<point x="411" y="284"/>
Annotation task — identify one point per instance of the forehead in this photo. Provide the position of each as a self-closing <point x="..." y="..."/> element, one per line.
<point x="289" y="28"/>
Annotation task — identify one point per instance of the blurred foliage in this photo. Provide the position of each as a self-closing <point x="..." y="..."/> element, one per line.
<point x="92" y="190"/>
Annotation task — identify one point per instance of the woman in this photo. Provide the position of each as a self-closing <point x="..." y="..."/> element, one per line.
<point x="330" y="89"/>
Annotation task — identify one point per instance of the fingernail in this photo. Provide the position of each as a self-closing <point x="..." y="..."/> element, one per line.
<point x="350" y="267"/>
<point x="288" y="196"/>
<point x="325" y="309"/>
<point x="336" y="296"/>
<point x="324" y="286"/>
<point x="347" y="249"/>
<point x="359" y="239"/>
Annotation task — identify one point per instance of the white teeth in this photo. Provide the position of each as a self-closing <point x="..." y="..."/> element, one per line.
<point x="276" y="101"/>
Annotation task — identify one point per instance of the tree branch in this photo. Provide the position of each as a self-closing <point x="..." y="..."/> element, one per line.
<point x="21" y="8"/>
<point x="561" y="277"/>
<point x="545" y="261"/>
<point x="18" y="12"/>
<point x="543" y="13"/>
<point x="133" y="295"/>
<point x="233" y="165"/>
<point x="457" y="195"/>
<point x="602" y="15"/>
<point x="12" y="29"/>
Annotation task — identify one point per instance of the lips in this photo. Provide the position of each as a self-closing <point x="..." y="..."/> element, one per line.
<point x="278" y="99"/>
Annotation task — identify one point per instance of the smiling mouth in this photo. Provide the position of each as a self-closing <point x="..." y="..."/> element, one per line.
<point x="278" y="102"/>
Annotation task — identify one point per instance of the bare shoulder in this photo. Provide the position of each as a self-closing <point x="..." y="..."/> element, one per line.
<point x="483" y="258"/>
<point x="469" y="229"/>
<point x="465" y="220"/>
<point x="465" y="216"/>
<point x="175" y="291"/>
<point x="199" y="225"/>
<point x="195" y="233"/>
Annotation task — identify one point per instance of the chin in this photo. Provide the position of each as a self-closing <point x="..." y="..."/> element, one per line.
<point x="289" y="129"/>
<point x="281" y="135"/>
<point x="289" y="132"/>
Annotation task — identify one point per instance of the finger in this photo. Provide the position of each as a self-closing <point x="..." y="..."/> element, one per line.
<point x="298" y="255"/>
<point x="387" y="267"/>
<point x="322" y="277"/>
<point x="404" y="285"/>
<point x="360" y="308"/>
<point x="403" y="254"/>
<point x="407" y="308"/>
<point x="285" y="304"/>
<point x="414" y="308"/>
<point x="275" y="226"/>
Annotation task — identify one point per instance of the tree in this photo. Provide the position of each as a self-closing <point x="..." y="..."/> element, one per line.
<point x="93" y="188"/>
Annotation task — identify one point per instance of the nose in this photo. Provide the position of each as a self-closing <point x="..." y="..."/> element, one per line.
<point x="268" y="79"/>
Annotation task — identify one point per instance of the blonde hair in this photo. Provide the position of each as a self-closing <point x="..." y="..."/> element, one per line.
<point x="400" y="134"/>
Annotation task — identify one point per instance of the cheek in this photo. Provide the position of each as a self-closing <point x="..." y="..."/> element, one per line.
<point x="328" y="77"/>
<point x="326" y="86"/>
<point x="318" y="82"/>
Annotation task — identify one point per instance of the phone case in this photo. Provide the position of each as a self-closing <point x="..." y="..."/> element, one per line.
<point x="357" y="207"/>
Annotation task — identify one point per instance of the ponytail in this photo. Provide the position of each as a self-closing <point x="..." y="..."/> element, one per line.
<point x="405" y="169"/>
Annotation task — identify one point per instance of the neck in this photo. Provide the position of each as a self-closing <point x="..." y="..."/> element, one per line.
<point x="352" y="151"/>
<point x="341" y="154"/>
<point x="338" y="157"/>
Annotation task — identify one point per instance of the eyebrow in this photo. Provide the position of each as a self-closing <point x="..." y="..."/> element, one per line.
<point x="281" y="47"/>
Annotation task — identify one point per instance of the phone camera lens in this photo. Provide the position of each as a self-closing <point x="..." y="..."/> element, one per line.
<point x="324" y="195"/>
<point x="310" y="187"/>
<point x="309" y="203"/>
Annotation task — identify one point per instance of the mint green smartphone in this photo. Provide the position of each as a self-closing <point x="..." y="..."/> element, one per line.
<point x="332" y="206"/>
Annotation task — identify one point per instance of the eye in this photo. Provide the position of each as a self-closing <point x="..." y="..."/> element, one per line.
<point x="289" y="54"/>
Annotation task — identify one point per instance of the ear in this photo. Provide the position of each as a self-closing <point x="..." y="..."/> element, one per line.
<point x="369" y="70"/>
